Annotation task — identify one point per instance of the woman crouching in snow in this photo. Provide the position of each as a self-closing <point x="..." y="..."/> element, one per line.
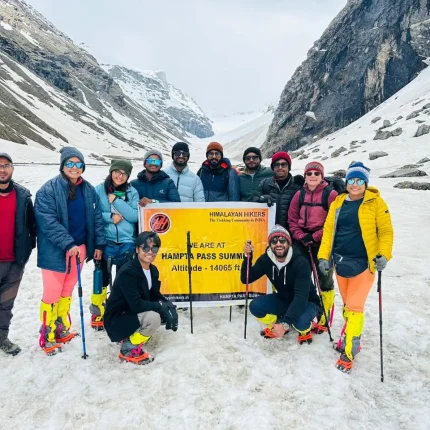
<point x="358" y="240"/>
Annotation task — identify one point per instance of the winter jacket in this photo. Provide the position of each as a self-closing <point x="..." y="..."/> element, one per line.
<point x="269" y="188"/>
<point x="220" y="184"/>
<point x="189" y="185"/>
<point x="311" y="216"/>
<point x="292" y="282"/>
<point x="52" y="220"/>
<point x="375" y="223"/>
<point x="130" y="296"/>
<point x="160" y="187"/>
<point x="249" y="183"/>
<point x="125" y="230"/>
<point x="25" y="225"/>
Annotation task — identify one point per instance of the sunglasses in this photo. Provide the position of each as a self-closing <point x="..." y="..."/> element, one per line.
<point x="77" y="164"/>
<point x="153" y="249"/>
<point x="252" y="158"/>
<point x="313" y="173"/>
<point x="183" y="153"/>
<point x="280" y="165"/>
<point x="214" y="154"/>
<point x="359" y="182"/>
<point x="121" y="174"/>
<point x="153" y="162"/>
<point x="276" y="239"/>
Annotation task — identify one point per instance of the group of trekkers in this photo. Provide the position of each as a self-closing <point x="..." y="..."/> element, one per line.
<point x="320" y="225"/>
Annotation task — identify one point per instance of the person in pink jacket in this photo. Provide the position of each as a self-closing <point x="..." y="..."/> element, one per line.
<point x="306" y="216"/>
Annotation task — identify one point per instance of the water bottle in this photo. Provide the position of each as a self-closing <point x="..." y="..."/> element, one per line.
<point x="97" y="278"/>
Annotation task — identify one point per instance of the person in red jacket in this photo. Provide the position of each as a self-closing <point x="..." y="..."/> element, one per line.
<point x="306" y="223"/>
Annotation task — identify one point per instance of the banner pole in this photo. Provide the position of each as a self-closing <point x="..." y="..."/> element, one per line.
<point x="189" y="278"/>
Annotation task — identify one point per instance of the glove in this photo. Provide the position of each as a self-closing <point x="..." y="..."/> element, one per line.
<point x="324" y="266"/>
<point x="168" y="313"/>
<point x="381" y="262"/>
<point x="307" y="239"/>
<point x="266" y="199"/>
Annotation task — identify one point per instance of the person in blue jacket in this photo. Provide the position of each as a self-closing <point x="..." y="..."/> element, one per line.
<point x="69" y="224"/>
<point x="152" y="184"/>
<point x="118" y="204"/>
<point x="220" y="180"/>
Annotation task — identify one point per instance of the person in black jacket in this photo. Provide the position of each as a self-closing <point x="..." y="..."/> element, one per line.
<point x="136" y="306"/>
<point x="18" y="239"/>
<point x="295" y="303"/>
<point x="280" y="189"/>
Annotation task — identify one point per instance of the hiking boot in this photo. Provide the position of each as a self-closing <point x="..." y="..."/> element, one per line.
<point x="97" y="322"/>
<point x="97" y="309"/>
<point x="344" y="364"/>
<point x="48" y="316"/>
<point x="9" y="348"/>
<point x="63" y="333"/>
<point x="133" y="353"/>
<point x="305" y="337"/>
<point x="318" y="328"/>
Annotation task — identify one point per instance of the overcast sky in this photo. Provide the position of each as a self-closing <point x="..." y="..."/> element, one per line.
<point x="230" y="55"/>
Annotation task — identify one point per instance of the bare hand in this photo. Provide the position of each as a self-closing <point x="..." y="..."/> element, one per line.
<point x="145" y="201"/>
<point x="111" y="198"/>
<point x="248" y="248"/>
<point x="73" y="252"/>
<point x="98" y="254"/>
<point x="116" y="218"/>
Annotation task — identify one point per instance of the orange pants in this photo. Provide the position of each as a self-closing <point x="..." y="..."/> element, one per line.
<point x="354" y="291"/>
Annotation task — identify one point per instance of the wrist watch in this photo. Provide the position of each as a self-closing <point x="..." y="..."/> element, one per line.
<point x="285" y="325"/>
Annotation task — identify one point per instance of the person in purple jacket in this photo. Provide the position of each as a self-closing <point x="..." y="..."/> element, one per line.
<point x="306" y="219"/>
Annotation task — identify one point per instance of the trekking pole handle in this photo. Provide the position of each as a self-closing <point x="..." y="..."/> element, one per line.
<point x="249" y="243"/>
<point x="78" y="260"/>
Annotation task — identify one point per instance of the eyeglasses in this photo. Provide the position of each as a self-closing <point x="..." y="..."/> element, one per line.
<point x="153" y="161"/>
<point x="252" y="158"/>
<point x="153" y="249"/>
<point x="121" y="174"/>
<point x="353" y="181"/>
<point x="214" y="154"/>
<point x="183" y="153"/>
<point x="280" y="165"/>
<point x="77" y="164"/>
<point x="276" y="239"/>
<point x="5" y="166"/>
<point x="313" y="173"/>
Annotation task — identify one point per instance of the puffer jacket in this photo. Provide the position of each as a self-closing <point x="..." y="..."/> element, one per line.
<point x="269" y="188"/>
<point x="220" y="184"/>
<point x="125" y="230"/>
<point x="160" y="187"/>
<point x="311" y="216"/>
<point x="249" y="183"/>
<point x="52" y="221"/>
<point x="189" y="185"/>
<point x="375" y="223"/>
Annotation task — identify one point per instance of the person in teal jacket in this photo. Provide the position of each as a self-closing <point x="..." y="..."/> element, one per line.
<point x="118" y="204"/>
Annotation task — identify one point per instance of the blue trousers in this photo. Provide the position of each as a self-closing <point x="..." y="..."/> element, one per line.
<point x="119" y="255"/>
<point x="272" y="304"/>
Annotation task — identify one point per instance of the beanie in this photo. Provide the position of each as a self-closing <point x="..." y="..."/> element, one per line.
<point x="278" y="230"/>
<point x="215" y="146"/>
<point x="121" y="165"/>
<point x="315" y="165"/>
<point x="152" y="152"/>
<point x="180" y="146"/>
<point x="5" y="155"/>
<point x="279" y="156"/>
<point x="358" y="170"/>
<point x="69" y="152"/>
<point x="252" y="149"/>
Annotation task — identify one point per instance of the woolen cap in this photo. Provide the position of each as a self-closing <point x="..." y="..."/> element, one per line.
<point x="358" y="170"/>
<point x="252" y="149"/>
<point x="282" y="155"/>
<point x="121" y="165"/>
<point x="69" y="152"/>
<point x="152" y="152"/>
<point x="180" y="146"/>
<point x="315" y="165"/>
<point x="215" y="146"/>
<point x="278" y="230"/>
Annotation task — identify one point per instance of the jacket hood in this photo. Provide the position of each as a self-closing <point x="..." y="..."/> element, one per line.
<point x="141" y="176"/>
<point x="224" y="164"/>
<point x="371" y="193"/>
<point x="172" y="168"/>
<point x="275" y="264"/>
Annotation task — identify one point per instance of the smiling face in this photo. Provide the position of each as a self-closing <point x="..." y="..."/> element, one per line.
<point x="147" y="253"/>
<point x="281" y="168"/>
<point x="313" y="179"/>
<point x="180" y="158"/>
<point x="279" y="246"/>
<point x="71" y="170"/>
<point x="119" y="177"/>
<point x="252" y="161"/>
<point x="6" y="171"/>
<point x="214" y="158"/>
<point x="153" y="164"/>
<point x="356" y="188"/>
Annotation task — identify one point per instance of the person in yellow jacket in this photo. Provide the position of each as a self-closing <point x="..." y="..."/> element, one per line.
<point x="358" y="241"/>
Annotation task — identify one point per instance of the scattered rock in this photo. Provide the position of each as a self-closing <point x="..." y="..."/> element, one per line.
<point x="303" y="157"/>
<point x="99" y="158"/>
<point x="413" y="114"/>
<point x="296" y="154"/>
<point x="420" y="121"/>
<point x="399" y="117"/>
<point x="331" y="146"/>
<point x="338" y="152"/>
<point x="382" y="135"/>
<point x="397" y="132"/>
<point x="404" y="173"/>
<point x="375" y="119"/>
<point x="363" y="141"/>
<point x="341" y="173"/>
<point x="377" y="154"/>
<point x="422" y="130"/>
<point x="411" y="166"/>
<point x="324" y="158"/>
<point x="413" y="185"/>
<point x="424" y="160"/>
<point x="426" y="106"/>
<point x="385" y="124"/>
<point x="316" y="150"/>
<point x="354" y="142"/>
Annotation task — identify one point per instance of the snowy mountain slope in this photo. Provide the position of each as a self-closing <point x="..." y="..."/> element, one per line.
<point x="226" y="123"/>
<point x="153" y="92"/>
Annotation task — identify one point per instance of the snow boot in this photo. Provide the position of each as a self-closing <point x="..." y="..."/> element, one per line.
<point x="328" y="301"/>
<point x="131" y="349"/>
<point x="48" y="316"/>
<point x="344" y="364"/>
<point x="305" y="336"/>
<point x="97" y="309"/>
<point x="63" y="333"/>
<point x="9" y="348"/>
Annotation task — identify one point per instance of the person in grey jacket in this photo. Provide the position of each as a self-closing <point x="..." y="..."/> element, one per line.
<point x="189" y="185"/>
<point x="69" y="224"/>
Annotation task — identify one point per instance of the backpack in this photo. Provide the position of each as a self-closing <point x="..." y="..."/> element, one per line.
<point x="334" y="183"/>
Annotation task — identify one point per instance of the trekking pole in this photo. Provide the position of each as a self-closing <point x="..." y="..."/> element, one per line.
<point x="380" y="323"/>
<point x="84" y="349"/>
<point x="247" y="291"/>
<point x="317" y="282"/>
<point x="189" y="278"/>
<point x="231" y="308"/>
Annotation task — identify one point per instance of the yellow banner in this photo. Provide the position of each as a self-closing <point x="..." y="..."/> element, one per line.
<point x="218" y="232"/>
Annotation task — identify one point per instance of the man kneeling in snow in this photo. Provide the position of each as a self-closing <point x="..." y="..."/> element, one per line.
<point x="295" y="303"/>
<point x="136" y="307"/>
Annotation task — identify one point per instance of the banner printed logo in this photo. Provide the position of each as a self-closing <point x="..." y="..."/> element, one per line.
<point x="160" y="223"/>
